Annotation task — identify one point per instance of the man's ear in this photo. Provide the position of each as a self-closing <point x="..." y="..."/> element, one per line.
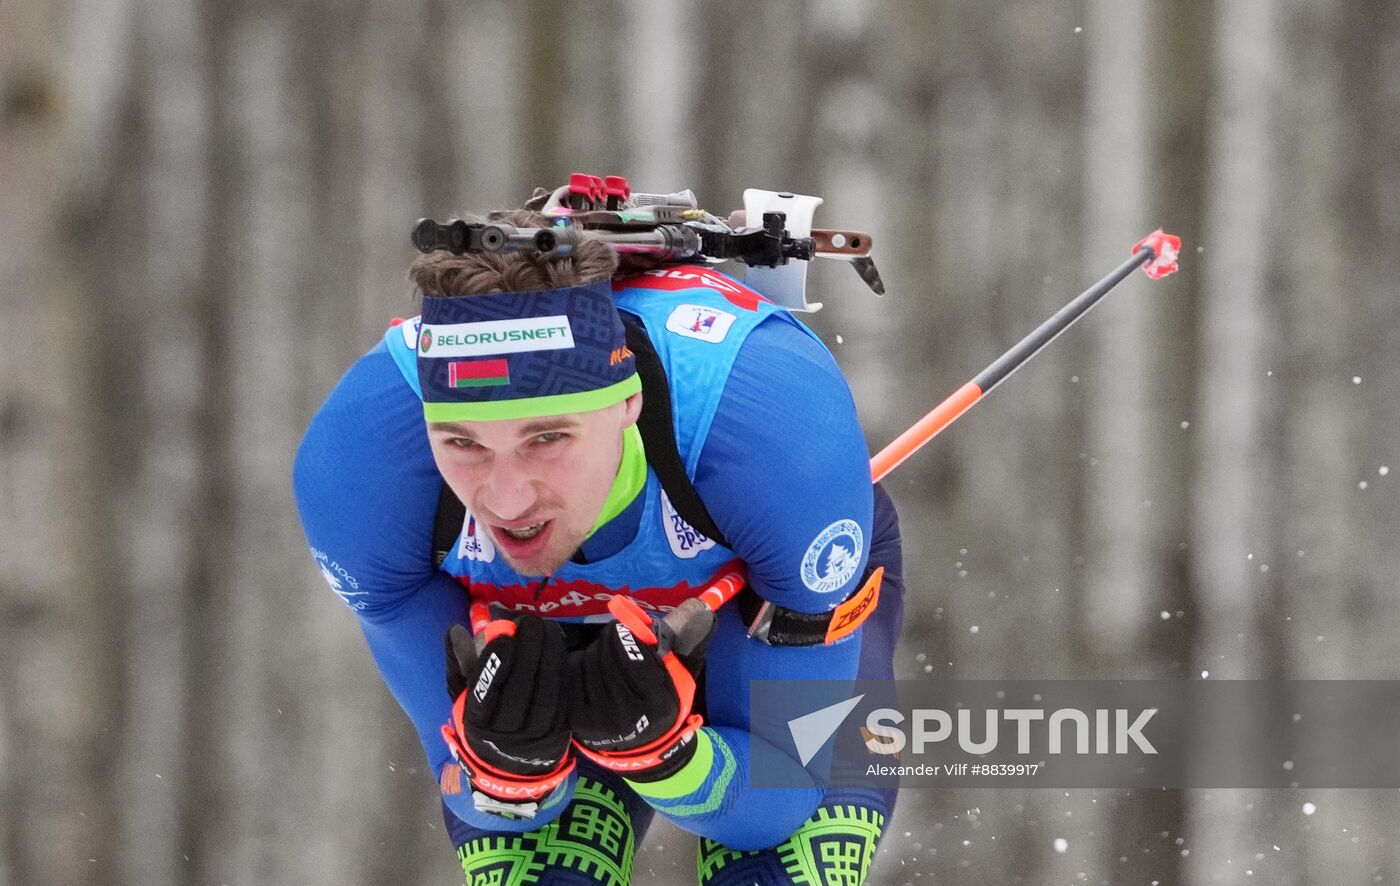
<point x="631" y="409"/>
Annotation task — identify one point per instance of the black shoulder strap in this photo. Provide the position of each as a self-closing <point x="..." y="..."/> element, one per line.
<point x="659" y="434"/>
<point x="447" y="526"/>
<point x="658" y="439"/>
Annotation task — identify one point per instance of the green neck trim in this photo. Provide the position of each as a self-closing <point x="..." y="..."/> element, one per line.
<point x="631" y="477"/>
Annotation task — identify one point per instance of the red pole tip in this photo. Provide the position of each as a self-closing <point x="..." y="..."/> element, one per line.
<point x="1165" y="250"/>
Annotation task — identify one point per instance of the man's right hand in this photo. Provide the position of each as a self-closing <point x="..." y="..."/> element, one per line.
<point x="509" y="727"/>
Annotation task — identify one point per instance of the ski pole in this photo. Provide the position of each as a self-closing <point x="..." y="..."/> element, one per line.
<point x="1157" y="252"/>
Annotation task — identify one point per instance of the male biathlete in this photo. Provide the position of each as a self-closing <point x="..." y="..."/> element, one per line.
<point x="584" y="438"/>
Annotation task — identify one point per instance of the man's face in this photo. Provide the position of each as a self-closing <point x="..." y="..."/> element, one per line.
<point x="537" y="484"/>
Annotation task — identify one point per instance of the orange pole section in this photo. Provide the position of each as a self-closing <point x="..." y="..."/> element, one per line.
<point x="724" y="588"/>
<point x="909" y="442"/>
<point x="480" y="616"/>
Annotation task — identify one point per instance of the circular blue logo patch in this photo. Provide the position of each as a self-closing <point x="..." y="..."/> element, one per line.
<point x="832" y="557"/>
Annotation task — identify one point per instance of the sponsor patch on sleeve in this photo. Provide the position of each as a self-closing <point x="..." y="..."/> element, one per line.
<point x="832" y="557"/>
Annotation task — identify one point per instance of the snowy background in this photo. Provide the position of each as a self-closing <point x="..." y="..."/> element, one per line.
<point x="204" y="209"/>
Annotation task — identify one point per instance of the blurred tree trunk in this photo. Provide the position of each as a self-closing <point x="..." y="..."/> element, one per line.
<point x="481" y="104"/>
<point x="1232" y="491"/>
<point x="165" y="521"/>
<point x="1118" y="587"/>
<point x="1334" y="397"/>
<point x="61" y="576"/>
<point x="1233" y="494"/>
<point x="749" y="50"/>
<point x="1132" y="508"/>
<point x="660" y="94"/>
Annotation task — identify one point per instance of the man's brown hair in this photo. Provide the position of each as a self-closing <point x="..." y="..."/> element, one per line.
<point x="442" y="273"/>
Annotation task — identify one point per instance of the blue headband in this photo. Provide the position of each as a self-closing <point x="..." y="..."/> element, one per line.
<point x="523" y="354"/>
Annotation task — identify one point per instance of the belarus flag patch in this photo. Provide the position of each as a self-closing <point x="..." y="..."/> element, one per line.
<point x="478" y="373"/>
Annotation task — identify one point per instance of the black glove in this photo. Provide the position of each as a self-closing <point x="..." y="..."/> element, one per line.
<point x="509" y="727"/>
<point x="631" y="689"/>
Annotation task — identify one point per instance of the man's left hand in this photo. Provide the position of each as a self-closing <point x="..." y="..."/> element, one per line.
<point x="631" y="690"/>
